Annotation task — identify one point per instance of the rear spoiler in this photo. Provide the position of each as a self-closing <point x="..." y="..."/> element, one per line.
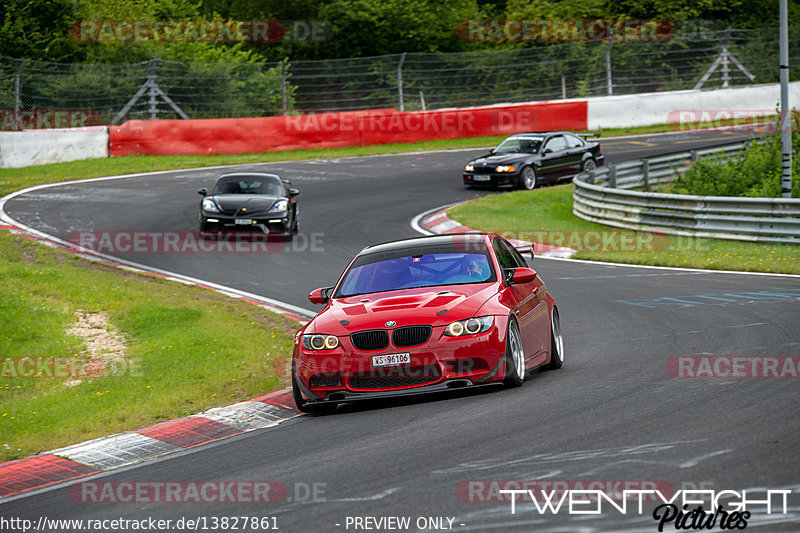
<point x="589" y="134"/>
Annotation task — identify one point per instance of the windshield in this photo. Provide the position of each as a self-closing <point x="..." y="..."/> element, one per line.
<point x="248" y="185"/>
<point x="523" y="145"/>
<point x="375" y="274"/>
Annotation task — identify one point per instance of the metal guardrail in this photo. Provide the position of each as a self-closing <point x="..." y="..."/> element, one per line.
<point x="617" y="195"/>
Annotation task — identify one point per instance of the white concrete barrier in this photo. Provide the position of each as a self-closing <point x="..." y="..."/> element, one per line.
<point x="659" y="108"/>
<point x="37" y="147"/>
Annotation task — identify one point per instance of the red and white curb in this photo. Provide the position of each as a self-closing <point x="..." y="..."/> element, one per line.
<point x="437" y="222"/>
<point x="132" y="447"/>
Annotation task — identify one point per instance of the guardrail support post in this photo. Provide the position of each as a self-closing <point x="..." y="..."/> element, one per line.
<point x="646" y="174"/>
<point x="612" y="177"/>
<point x="693" y="156"/>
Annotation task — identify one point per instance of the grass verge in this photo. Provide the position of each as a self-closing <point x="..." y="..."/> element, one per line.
<point x="186" y="349"/>
<point x="545" y="215"/>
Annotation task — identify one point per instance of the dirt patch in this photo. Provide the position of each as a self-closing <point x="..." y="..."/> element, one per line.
<point x="105" y="349"/>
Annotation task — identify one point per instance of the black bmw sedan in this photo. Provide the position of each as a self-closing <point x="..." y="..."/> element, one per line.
<point x="250" y="201"/>
<point x="526" y="160"/>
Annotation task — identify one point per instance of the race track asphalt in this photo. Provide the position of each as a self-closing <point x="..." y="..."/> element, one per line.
<point x="613" y="412"/>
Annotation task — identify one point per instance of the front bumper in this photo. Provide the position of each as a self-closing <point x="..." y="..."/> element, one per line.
<point x="441" y="364"/>
<point x="278" y="224"/>
<point x="490" y="180"/>
<point x="436" y="388"/>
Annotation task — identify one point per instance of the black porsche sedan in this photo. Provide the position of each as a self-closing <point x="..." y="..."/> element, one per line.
<point x="526" y="160"/>
<point x="250" y="201"/>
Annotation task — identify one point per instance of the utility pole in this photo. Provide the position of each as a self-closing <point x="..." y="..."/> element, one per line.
<point x="786" y="117"/>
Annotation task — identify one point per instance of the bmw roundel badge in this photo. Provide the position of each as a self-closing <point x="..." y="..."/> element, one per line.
<point x="390" y="323"/>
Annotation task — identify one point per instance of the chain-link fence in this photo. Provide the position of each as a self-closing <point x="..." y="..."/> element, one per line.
<point x="158" y="89"/>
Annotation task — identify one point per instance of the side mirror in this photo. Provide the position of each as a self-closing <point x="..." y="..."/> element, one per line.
<point x="548" y="151"/>
<point x="293" y="192"/>
<point x="320" y="296"/>
<point x="521" y="275"/>
<point x="202" y="192"/>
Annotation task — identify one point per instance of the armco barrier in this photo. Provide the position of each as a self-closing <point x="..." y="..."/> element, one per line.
<point x="37" y="147"/>
<point x="604" y="195"/>
<point x="333" y="130"/>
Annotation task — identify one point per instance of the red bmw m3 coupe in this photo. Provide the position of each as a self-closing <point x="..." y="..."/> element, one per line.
<point x="423" y="315"/>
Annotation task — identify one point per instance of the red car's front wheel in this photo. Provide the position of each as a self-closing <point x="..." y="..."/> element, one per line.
<point x="556" y="342"/>
<point x="515" y="356"/>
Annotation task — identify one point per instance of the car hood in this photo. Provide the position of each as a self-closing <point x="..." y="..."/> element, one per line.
<point x="437" y="306"/>
<point x="253" y="202"/>
<point x="500" y="159"/>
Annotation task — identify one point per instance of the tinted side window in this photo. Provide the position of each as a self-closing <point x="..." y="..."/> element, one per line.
<point x="573" y="141"/>
<point x="556" y="144"/>
<point x="504" y="255"/>
<point x="517" y="256"/>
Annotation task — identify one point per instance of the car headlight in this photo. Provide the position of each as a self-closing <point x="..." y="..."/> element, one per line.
<point x="209" y="205"/>
<point x="469" y="168"/>
<point x="469" y="326"/>
<point x="320" y="342"/>
<point x="279" y="206"/>
<point x="505" y="168"/>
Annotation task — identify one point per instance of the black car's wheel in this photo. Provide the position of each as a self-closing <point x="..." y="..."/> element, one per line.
<point x="556" y="342"/>
<point x="588" y="165"/>
<point x="305" y="406"/>
<point x="295" y="222"/>
<point x="527" y="179"/>
<point x="515" y="356"/>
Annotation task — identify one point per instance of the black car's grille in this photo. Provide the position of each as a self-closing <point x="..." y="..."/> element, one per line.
<point x="395" y="377"/>
<point x="483" y="170"/>
<point x="411" y="335"/>
<point x="375" y="339"/>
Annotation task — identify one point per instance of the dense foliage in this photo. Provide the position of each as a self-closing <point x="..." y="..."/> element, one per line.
<point x="755" y="172"/>
<point x="38" y="29"/>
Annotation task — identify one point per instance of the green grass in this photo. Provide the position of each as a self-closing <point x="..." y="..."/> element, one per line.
<point x="188" y="349"/>
<point x="13" y="179"/>
<point x="546" y="215"/>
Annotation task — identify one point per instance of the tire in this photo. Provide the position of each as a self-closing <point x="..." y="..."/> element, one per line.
<point x="556" y="342"/>
<point x="515" y="356"/>
<point x="296" y="222"/>
<point x="305" y="406"/>
<point x="527" y="179"/>
<point x="589" y="164"/>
